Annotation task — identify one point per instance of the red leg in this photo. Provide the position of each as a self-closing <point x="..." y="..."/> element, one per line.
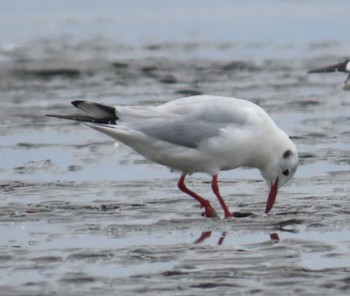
<point x="209" y="210"/>
<point x="215" y="187"/>
<point x="221" y="240"/>
<point x="203" y="237"/>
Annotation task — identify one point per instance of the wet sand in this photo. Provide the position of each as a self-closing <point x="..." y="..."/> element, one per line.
<point x="81" y="215"/>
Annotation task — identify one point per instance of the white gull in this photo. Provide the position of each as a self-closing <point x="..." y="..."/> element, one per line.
<point x="200" y="134"/>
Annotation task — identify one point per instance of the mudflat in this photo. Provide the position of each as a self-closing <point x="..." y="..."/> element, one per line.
<point x="82" y="215"/>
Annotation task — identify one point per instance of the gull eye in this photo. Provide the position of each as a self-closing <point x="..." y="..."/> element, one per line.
<point x="287" y="153"/>
<point x="285" y="172"/>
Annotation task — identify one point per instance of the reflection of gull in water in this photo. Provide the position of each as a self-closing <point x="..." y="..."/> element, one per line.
<point x="200" y="134"/>
<point x="342" y="67"/>
<point x="207" y="234"/>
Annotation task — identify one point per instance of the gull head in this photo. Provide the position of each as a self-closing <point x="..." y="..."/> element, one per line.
<point x="280" y="170"/>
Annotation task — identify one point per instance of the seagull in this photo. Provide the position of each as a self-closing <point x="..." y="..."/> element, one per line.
<point x="342" y="67"/>
<point x="201" y="133"/>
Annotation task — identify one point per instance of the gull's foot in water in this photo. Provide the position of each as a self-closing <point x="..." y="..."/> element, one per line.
<point x="210" y="212"/>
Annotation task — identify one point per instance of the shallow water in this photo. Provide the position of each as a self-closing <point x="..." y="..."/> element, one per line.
<point x="82" y="215"/>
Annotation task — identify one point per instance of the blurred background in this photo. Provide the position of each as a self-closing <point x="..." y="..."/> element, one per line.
<point x="155" y="21"/>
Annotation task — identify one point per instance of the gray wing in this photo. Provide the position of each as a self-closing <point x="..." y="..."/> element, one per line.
<point x="188" y="134"/>
<point x="188" y="124"/>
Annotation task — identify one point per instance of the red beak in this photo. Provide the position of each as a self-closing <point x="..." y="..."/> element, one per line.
<point x="272" y="196"/>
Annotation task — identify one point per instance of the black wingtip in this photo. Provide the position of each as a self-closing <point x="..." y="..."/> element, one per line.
<point x="97" y="113"/>
<point x="77" y="102"/>
<point x="71" y="117"/>
<point x="341" y="67"/>
<point x="83" y="118"/>
<point x="60" y="116"/>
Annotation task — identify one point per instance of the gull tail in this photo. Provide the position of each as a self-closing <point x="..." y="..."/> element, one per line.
<point x="96" y="113"/>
